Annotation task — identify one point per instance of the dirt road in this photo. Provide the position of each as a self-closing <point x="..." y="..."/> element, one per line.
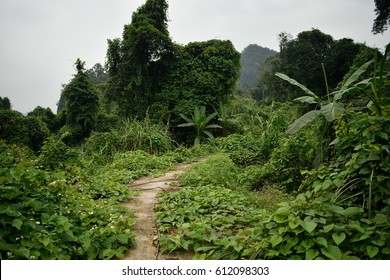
<point x="145" y="221"/>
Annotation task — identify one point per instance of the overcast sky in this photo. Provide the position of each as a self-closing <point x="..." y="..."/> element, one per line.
<point x="41" y="39"/>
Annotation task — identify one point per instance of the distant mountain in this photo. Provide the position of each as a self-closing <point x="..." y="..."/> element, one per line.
<point x="251" y="58"/>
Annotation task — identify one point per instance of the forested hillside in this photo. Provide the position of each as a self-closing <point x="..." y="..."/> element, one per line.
<point x="251" y="59"/>
<point x="297" y="170"/>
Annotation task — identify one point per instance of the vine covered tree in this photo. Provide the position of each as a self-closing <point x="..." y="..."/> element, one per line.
<point x="204" y="75"/>
<point x="137" y="63"/>
<point x="81" y="103"/>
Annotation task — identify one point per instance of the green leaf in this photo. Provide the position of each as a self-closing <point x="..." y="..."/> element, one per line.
<point x="186" y="118"/>
<point x="275" y="240"/>
<point x="294" y="224"/>
<point x="185" y="125"/>
<point x="373" y="157"/>
<point x="352" y="211"/>
<point x="311" y="254"/>
<point x="206" y="248"/>
<point x="332" y="252"/>
<point x="309" y="226"/>
<point x="332" y="111"/>
<point x="213" y="126"/>
<point x="295" y="83"/>
<point x="46" y="241"/>
<point x="307" y="243"/>
<point x="122" y="238"/>
<point x="209" y="134"/>
<point x="380" y="219"/>
<point x="338" y="238"/>
<point x="372" y="251"/>
<point x="280" y="218"/>
<point x="307" y="99"/>
<point x="356" y="75"/>
<point x="23" y="252"/>
<point x="17" y="223"/>
<point x="85" y="242"/>
<point x="302" y="121"/>
<point x="321" y="241"/>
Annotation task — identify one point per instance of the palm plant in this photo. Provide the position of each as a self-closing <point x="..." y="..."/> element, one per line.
<point x="331" y="108"/>
<point x="200" y="121"/>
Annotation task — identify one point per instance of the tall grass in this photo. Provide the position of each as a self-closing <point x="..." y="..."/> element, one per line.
<point x="130" y="135"/>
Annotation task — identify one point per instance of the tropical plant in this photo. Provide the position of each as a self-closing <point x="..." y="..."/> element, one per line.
<point x="329" y="109"/>
<point x="375" y="88"/>
<point x="200" y="121"/>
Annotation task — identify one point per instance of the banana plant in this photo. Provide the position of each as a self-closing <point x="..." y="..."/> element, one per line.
<point x="330" y="109"/>
<point x="200" y="121"/>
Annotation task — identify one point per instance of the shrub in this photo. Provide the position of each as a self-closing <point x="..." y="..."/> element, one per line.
<point x="218" y="170"/>
<point x="56" y="154"/>
<point x="11" y="155"/>
<point x="20" y="130"/>
<point x="140" y="163"/>
<point x="144" y="135"/>
<point x="284" y="168"/>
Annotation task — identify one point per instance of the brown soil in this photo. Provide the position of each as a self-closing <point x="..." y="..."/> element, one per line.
<point x="145" y="221"/>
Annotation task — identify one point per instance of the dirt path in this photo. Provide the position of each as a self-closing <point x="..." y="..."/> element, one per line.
<point x="145" y="220"/>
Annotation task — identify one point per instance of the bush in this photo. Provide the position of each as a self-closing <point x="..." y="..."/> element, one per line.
<point x="56" y="154"/>
<point x="140" y="163"/>
<point x="20" y="130"/>
<point x="284" y="168"/>
<point x="11" y="155"/>
<point x="218" y="170"/>
<point x="264" y="134"/>
<point x="183" y="154"/>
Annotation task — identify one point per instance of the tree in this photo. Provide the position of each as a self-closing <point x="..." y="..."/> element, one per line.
<point x="199" y="120"/>
<point x="45" y="115"/>
<point x="137" y="64"/>
<point x="81" y="103"/>
<point x="303" y="56"/>
<point x="97" y="74"/>
<point x="301" y="59"/>
<point x="5" y="104"/>
<point x="205" y="74"/>
<point x="21" y="130"/>
<point x="284" y="38"/>
<point x="382" y="20"/>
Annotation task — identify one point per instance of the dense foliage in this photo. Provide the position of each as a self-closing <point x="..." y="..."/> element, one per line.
<point x="301" y="59"/>
<point x="277" y="179"/>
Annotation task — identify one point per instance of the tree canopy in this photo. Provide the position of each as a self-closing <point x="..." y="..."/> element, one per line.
<point x="382" y="20"/>
<point x="137" y="62"/>
<point x="302" y="58"/>
<point x="148" y="73"/>
<point x="5" y="103"/>
<point x="81" y="103"/>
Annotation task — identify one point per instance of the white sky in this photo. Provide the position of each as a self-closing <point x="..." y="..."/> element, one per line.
<point x="41" y="39"/>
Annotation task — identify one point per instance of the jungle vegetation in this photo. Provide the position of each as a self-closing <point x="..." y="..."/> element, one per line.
<point x="297" y="163"/>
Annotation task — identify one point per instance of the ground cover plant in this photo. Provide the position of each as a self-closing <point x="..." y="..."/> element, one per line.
<point x="277" y="179"/>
